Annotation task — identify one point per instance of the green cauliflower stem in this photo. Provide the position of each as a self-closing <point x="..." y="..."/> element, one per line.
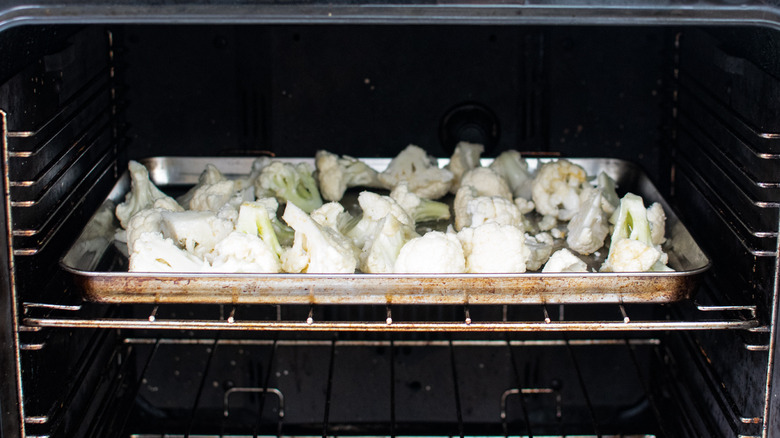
<point x="255" y="219"/>
<point x="421" y="209"/>
<point x="289" y="182"/>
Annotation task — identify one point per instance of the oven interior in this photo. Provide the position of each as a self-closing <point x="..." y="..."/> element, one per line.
<point x="696" y="107"/>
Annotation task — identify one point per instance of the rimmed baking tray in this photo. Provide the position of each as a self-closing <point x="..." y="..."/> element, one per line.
<point x="99" y="266"/>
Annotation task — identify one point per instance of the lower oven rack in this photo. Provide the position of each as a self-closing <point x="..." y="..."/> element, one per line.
<point x="226" y="401"/>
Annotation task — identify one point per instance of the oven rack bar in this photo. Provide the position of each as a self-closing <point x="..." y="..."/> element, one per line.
<point x="745" y="320"/>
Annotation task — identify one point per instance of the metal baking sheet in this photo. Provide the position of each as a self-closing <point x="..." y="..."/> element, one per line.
<point x="99" y="267"/>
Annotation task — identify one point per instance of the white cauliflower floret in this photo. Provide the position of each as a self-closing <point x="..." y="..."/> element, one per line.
<point x="336" y="174"/>
<point x="142" y="195"/>
<point x="316" y="249"/>
<point x="229" y="211"/>
<point x="547" y="223"/>
<point x="514" y="169"/>
<point x="524" y="205"/>
<point x="606" y="186"/>
<point x="564" y="260"/>
<point x="492" y="248"/>
<point x="628" y="255"/>
<point x="540" y="246"/>
<point x="195" y="231"/>
<point x="242" y="252"/>
<point x="631" y="224"/>
<point x="381" y="249"/>
<point x="375" y="207"/>
<point x="557" y="187"/>
<point x="248" y="181"/>
<point x="433" y="253"/>
<point x="154" y="253"/>
<point x="145" y="221"/>
<point x="210" y="175"/>
<point x="657" y="219"/>
<point x="464" y="158"/>
<point x="589" y="227"/>
<point x="487" y="182"/>
<point x="333" y="215"/>
<point x="255" y="219"/>
<point x="212" y="197"/>
<point x="290" y="183"/>
<point x="472" y="210"/>
<point x="420" y="171"/>
<point x="420" y="209"/>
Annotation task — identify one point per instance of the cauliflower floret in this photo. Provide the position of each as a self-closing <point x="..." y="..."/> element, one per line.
<point x="606" y="186"/>
<point x="154" y="253"/>
<point x="657" y="219"/>
<point x="524" y="205"/>
<point x="255" y="219"/>
<point x="464" y="158"/>
<point x="514" y="169"/>
<point x="242" y="252"/>
<point x="335" y="174"/>
<point x="631" y="224"/>
<point x="472" y="210"/>
<point x="628" y="255"/>
<point x="212" y="197"/>
<point x="433" y="253"/>
<point x="195" y="231"/>
<point x="316" y="249"/>
<point x="487" y="182"/>
<point x="564" y="260"/>
<point x="333" y="215"/>
<point x="589" y="227"/>
<point x="557" y="187"/>
<point x="381" y="249"/>
<point x="540" y="246"/>
<point x="142" y="195"/>
<point x="210" y="175"/>
<point x="248" y="181"/>
<point x="420" y="209"/>
<point x="375" y="207"/>
<point x="145" y="221"/>
<point x="492" y="247"/>
<point x="420" y="171"/>
<point x="290" y="183"/>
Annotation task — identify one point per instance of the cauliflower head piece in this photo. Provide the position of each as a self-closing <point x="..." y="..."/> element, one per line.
<point x="420" y="209"/>
<point x="564" y="260"/>
<point x="640" y="254"/>
<point x="472" y="210"/>
<point x="434" y="252"/>
<point x="514" y="169"/>
<point x="556" y="188"/>
<point x="290" y="183"/>
<point x="336" y="174"/>
<point x="494" y="248"/>
<point x="464" y="158"/>
<point x="154" y="253"/>
<point x="316" y="249"/>
<point x="421" y="171"/>
<point x="381" y="249"/>
<point x="240" y="252"/>
<point x="143" y="194"/>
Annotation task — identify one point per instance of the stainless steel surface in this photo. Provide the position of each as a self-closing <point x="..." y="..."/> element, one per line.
<point x="123" y="287"/>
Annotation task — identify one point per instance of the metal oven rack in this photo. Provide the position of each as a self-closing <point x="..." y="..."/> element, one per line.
<point x="537" y="318"/>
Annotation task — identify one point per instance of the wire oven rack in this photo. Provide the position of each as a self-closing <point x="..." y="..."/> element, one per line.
<point x="538" y="318"/>
<point x="213" y="404"/>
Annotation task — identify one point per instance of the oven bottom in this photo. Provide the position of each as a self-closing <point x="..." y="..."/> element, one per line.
<point x="389" y="385"/>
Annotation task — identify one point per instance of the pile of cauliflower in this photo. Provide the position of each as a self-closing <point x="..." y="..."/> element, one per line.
<point x="285" y="217"/>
